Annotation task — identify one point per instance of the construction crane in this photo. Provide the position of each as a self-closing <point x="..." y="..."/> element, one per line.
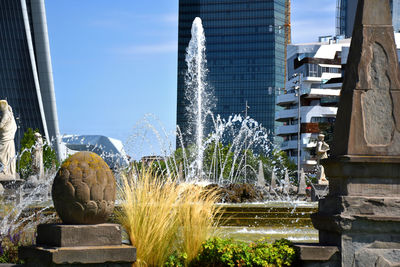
<point x="288" y="35"/>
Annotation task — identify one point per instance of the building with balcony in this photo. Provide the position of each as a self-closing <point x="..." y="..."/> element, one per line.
<point x="319" y="66"/>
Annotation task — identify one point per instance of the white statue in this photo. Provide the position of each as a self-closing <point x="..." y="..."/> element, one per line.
<point x="37" y="157"/>
<point x="322" y="149"/>
<point x="8" y="128"/>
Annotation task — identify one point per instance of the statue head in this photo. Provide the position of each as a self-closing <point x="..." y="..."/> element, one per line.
<point x="38" y="136"/>
<point x="321" y="137"/>
<point x="3" y="105"/>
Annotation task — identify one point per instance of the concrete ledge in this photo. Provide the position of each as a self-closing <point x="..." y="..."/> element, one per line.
<point x="315" y="252"/>
<point x="61" y="235"/>
<point x="45" y="256"/>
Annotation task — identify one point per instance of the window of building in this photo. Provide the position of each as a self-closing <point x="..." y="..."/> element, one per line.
<point x="323" y="119"/>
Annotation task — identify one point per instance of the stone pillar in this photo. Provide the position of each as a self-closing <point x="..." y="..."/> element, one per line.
<point x="260" y="176"/>
<point x="286" y="183"/>
<point x="361" y="214"/>
<point x="273" y="182"/>
<point x="302" y="184"/>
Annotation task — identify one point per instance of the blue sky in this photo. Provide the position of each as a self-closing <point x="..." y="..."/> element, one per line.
<point x="115" y="60"/>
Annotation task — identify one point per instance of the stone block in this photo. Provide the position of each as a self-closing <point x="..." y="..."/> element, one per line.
<point x="315" y="255"/>
<point x="360" y="251"/>
<point x="60" y="235"/>
<point x="121" y="255"/>
<point x="314" y="252"/>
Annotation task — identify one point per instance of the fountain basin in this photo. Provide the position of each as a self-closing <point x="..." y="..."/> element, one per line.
<point x="251" y="234"/>
<point x="267" y="214"/>
<point x="271" y="220"/>
<point x="254" y="221"/>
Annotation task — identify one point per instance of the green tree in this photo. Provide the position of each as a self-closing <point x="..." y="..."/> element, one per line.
<point x="25" y="161"/>
<point x="220" y="161"/>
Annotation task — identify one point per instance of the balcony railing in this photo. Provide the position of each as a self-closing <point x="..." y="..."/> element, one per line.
<point x="291" y="144"/>
<point x="287" y="129"/>
<point x="286" y="99"/>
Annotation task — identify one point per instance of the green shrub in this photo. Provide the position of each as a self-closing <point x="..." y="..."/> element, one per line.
<point x="177" y="259"/>
<point x="217" y="252"/>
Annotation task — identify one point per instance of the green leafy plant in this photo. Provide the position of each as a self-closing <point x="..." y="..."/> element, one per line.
<point x="176" y="259"/>
<point x="217" y="252"/>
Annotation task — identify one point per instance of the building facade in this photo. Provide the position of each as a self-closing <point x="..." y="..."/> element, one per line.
<point x="109" y="149"/>
<point x="346" y="12"/>
<point x="245" y="56"/>
<point x="321" y="66"/>
<point x="26" y="79"/>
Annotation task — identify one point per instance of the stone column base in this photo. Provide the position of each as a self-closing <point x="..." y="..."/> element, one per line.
<point x="121" y="255"/>
<point x="361" y="214"/>
<point x="79" y="245"/>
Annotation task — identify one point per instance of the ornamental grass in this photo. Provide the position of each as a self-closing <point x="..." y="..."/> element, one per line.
<point x="162" y="217"/>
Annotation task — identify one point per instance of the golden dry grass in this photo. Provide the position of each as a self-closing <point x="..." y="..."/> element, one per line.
<point x="161" y="216"/>
<point x="197" y="216"/>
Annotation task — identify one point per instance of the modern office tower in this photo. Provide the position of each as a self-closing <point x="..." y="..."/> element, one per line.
<point x="245" y="56"/>
<point x="26" y="79"/>
<point x="346" y="12"/>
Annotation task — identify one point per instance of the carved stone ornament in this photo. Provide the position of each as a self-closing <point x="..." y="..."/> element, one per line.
<point x="84" y="190"/>
<point x="368" y="119"/>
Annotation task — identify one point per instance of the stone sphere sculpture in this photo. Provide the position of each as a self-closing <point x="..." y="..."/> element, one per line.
<point x="84" y="190"/>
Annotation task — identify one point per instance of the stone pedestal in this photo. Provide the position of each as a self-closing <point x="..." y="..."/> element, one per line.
<point x="361" y="214"/>
<point x="78" y="245"/>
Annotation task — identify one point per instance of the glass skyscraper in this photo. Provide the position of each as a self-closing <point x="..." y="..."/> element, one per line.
<point x="26" y="79"/>
<point x="245" y="55"/>
<point x="346" y="13"/>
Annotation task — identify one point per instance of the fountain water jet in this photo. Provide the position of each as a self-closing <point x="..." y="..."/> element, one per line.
<point x="197" y="90"/>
